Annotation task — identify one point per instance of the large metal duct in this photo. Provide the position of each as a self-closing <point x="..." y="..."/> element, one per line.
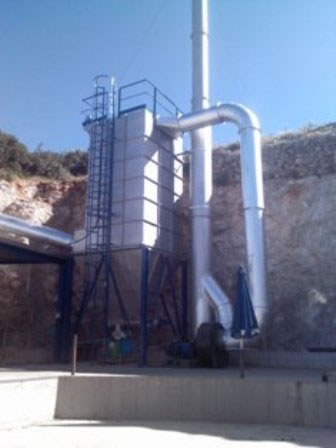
<point x="198" y="123"/>
<point x="201" y="164"/>
<point x="253" y="201"/>
<point x="42" y="233"/>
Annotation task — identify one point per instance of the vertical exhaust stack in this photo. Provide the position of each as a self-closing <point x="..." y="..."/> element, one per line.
<point x="201" y="164"/>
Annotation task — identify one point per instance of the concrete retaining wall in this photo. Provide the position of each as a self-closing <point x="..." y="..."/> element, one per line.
<point x="210" y="397"/>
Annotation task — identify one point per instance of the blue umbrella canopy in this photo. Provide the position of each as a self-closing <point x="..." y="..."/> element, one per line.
<point x="244" y="323"/>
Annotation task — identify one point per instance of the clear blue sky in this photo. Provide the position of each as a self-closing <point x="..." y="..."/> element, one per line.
<point x="276" y="56"/>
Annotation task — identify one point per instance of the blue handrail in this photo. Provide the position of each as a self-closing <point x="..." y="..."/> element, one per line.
<point x="154" y="98"/>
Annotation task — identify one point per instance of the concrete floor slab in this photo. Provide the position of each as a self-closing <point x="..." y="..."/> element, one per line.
<point x="26" y="401"/>
<point x="93" y="434"/>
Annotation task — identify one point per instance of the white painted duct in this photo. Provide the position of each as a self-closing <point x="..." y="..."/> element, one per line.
<point x="253" y="202"/>
<point x="42" y="233"/>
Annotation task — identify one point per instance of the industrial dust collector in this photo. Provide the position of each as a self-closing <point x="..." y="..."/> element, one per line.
<point x="135" y="179"/>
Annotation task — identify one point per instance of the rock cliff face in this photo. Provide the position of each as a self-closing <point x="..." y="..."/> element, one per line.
<point x="52" y="203"/>
<point x="300" y="193"/>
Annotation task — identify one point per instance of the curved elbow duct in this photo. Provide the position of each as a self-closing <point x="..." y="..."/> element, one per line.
<point x="219" y="302"/>
<point x="42" y="233"/>
<point x="253" y="199"/>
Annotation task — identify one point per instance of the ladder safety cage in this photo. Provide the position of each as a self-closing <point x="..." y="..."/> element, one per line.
<point x="98" y="272"/>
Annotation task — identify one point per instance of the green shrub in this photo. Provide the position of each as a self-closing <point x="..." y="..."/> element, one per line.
<point x="76" y="162"/>
<point x="14" y="156"/>
<point x="17" y="161"/>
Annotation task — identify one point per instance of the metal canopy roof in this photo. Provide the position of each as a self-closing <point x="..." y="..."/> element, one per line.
<point x="14" y="253"/>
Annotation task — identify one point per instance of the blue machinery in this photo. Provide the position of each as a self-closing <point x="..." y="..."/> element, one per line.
<point x="168" y="290"/>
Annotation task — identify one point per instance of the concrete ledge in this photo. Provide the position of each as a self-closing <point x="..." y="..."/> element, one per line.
<point x="288" y="360"/>
<point x="198" y="397"/>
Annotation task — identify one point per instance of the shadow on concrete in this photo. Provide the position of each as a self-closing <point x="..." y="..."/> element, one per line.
<point x="291" y="436"/>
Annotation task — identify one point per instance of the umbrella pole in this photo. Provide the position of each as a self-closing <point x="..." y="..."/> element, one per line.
<point x="241" y="357"/>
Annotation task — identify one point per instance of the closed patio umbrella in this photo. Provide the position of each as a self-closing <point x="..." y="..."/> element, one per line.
<point x="244" y="323"/>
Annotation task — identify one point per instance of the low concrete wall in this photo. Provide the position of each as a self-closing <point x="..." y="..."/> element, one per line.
<point x="322" y="362"/>
<point x="24" y="401"/>
<point x="210" y="397"/>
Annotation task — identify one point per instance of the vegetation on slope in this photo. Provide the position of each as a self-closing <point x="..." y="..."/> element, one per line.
<point x="17" y="161"/>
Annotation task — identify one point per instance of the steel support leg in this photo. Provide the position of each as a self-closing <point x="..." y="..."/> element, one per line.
<point x="62" y="341"/>
<point x="144" y="306"/>
<point x="87" y="297"/>
<point x="106" y="304"/>
<point x="184" y="296"/>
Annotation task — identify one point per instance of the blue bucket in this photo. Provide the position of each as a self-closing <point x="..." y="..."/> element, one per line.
<point x="126" y="346"/>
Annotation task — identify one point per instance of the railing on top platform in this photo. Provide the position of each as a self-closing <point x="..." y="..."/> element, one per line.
<point x="144" y="94"/>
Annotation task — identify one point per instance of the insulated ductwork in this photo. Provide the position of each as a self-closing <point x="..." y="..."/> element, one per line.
<point x="218" y="300"/>
<point x="201" y="165"/>
<point x="41" y="233"/>
<point x="199" y="122"/>
<point x="253" y="201"/>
